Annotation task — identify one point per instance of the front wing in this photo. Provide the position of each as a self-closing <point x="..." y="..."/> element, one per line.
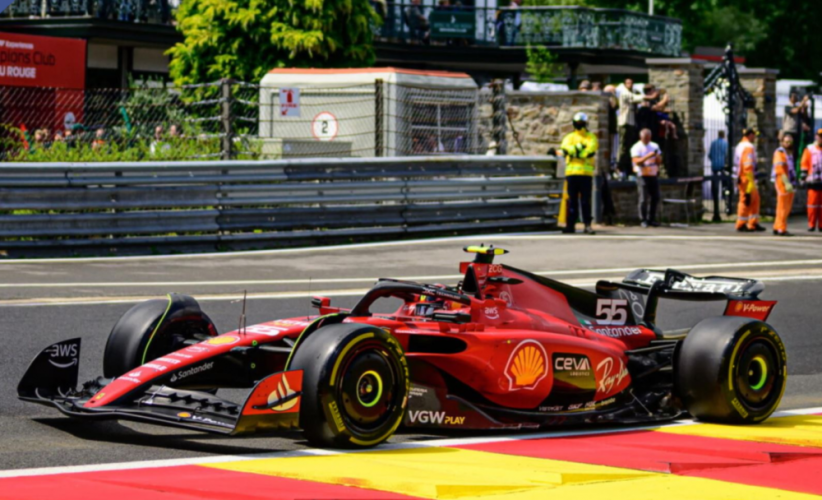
<point x="274" y="402"/>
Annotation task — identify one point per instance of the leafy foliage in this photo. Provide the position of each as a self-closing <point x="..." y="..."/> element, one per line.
<point x="542" y="64"/>
<point x="243" y="39"/>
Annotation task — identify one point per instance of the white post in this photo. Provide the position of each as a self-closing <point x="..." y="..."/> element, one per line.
<point x="651" y="7"/>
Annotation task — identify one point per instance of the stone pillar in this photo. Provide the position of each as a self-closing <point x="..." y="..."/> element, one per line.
<point x="761" y="83"/>
<point x="683" y="79"/>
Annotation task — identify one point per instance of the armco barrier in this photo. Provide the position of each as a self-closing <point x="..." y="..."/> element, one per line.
<point x="48" y="208"/>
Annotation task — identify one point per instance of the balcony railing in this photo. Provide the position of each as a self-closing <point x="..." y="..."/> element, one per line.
<point x="135" y="11"/>
<point x="566" y="27"/>
<point x="404" y="23"/>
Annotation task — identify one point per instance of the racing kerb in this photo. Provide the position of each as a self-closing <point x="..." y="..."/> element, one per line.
<point x="106" y="207"/>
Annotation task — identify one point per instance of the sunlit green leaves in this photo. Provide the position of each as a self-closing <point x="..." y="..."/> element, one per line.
<point x="243" y="39"/>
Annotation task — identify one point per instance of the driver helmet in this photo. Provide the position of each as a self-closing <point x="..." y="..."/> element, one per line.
<point x="580" y="121"/>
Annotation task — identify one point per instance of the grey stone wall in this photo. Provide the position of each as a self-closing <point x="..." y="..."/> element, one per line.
<point x="683" y="79"/>
<point x="761" y="83"/>
<point x="542" y="119"/>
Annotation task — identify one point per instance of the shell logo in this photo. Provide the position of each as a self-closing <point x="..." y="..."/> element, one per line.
<point x="526" y="366"/>
<point x="184" y="414"/>
<point x="282" y="390"/>
<point x="738" y="306"/>
<point x="222" y="340"/>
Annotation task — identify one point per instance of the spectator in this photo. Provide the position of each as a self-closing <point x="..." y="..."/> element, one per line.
<point x="584" y="86"/>
<point x="626" y="123"/>
<point x="174" y="132"/>
<point x="444" y="5"/>
<point x="417" y="22"/>
<point x="158" y="144"/>
<point x="646" y="157"/>
<point x="39" y="139"/>
<point x="795" y="113"/>
<point x="596" y="87"/>
<point x="659" y="106"/>
<point x="58" y="137"/>
<point x="718" y="155"/>
<point x="99" y="139"/>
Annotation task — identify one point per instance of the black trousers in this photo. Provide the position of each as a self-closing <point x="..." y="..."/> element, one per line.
<point x="648" y="187"/>
<point x="579" y="191"/>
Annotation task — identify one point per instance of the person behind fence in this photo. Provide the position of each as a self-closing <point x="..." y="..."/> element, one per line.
<point x="626" y="123"/>
<point x="158" y="144"/>
<point x="416" y="21"/>
<point x="747" y="212"/>
<point x="783" y="176"/>
<point x="99" y="139"/>
<point x="811" y="177"/>
<point x="795" y="113"/>
<point x="718" y="155"/>
<point x="579" y="149"/>
<point x="647" y="157"/>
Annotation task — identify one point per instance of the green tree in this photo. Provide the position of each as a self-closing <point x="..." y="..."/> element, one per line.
<point x="243" y="39"/>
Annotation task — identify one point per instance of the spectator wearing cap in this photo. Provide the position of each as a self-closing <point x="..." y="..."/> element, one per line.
<point x="584" y="86"/>
<point x="579" y="149"/>
<point x="747" y="212"/>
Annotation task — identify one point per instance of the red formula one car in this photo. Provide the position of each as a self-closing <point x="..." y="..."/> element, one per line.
<point x="503" y="349"/>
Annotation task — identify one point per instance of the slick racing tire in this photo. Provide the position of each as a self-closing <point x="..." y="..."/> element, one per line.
<point x="731" y="370"/>
<point x="152" y="329"/>
<point x="355" y="385"/>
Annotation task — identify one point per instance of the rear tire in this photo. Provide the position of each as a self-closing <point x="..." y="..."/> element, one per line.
<point x="355" y="385"/>
<point x="731" y="370"/>
<point x="152" y="329"/>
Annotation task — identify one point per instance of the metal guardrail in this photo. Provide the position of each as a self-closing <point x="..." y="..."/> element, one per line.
<point x="48" y="208"/>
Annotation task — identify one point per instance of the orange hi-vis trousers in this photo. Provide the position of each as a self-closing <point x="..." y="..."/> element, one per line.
<point x="784" y="202"/>
<point x="815" y="208"/>
<point x="748" y="215"/>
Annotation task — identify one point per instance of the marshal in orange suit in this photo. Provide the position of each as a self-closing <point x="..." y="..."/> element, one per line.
<point x="747" y="213"/>
<point x="783" y="177"/>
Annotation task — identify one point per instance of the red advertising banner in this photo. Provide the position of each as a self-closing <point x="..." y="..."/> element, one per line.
<point x="42" y="82"/>
<point x="42" y="61"/>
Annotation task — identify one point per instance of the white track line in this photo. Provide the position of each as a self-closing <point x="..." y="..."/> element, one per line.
<point x="558" y="272"/>
<point x="93" y="301"/>
<point x="472" y="238"/>
<point x="73" y="469"/>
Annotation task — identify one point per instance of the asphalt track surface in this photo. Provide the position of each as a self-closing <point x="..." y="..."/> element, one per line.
<point x="45" y="301"/>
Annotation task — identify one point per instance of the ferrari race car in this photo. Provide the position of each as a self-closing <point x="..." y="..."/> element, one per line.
<point x="503" y="349"/>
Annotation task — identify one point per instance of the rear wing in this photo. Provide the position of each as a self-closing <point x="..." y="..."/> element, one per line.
<point x="678" y="285"/>
<point x="741" y="294"/>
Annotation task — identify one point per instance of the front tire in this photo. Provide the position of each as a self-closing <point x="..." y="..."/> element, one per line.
<point x="731" y="370"/>
<point x="355" y="385"/>
<point x="152" y="329"/>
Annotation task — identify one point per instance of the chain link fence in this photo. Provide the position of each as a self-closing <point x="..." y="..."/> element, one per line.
<point x="235" y="120"/>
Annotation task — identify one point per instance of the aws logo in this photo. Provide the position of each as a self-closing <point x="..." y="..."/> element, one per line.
<point x="526" y="366"/>
<point x="63" y="355"/>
